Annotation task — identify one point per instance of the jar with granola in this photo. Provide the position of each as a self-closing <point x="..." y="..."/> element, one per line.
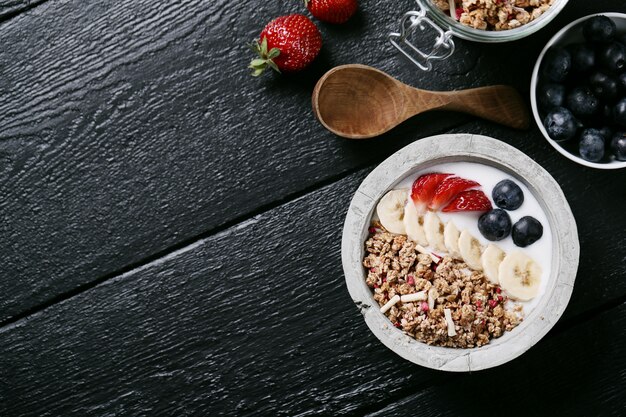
<point x="486" y="21"/>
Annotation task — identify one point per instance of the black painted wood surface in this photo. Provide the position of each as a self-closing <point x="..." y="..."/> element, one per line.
<point x="171" y="248"/>
<point x="130" y="127"/>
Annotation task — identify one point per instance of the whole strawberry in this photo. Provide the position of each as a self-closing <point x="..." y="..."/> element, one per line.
<point x="288" y="43"/>
<point x="332" y="11"/>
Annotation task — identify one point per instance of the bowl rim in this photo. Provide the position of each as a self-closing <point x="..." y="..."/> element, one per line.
<point x="470" y="148"/>
<point x="534" y="81"/>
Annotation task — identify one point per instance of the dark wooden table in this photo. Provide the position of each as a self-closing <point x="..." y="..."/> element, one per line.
<point x="170" y="227"/>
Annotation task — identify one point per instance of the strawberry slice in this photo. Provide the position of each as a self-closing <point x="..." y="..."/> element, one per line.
<point x="472" y="200"/>
<point x="423" y="189"/>
<point x="449" y="188"/>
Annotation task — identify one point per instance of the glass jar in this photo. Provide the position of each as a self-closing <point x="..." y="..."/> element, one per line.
<point x="430" y="17"/>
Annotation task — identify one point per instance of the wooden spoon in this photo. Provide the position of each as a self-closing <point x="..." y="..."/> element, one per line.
<point x="358" y="102"/>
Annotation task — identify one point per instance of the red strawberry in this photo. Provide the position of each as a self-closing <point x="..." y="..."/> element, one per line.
<point x="332" y="11"/>
<point x="450" y="187"/>
<point x="288" y="43"/>
<point x="472" y="200"/>
<point x="423" y="189"/>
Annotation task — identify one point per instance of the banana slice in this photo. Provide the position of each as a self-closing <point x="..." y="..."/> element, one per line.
<point x="470" y="250"/>
<point x="520" y="276"/>
<point x="390" y="210"/>
<point x="491" y="259"/>
<point x="413" y="224"/>
<point x="451" y="240"/>
<point x="433" y="228"/>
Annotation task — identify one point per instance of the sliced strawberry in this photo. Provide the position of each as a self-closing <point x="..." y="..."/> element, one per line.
<point x="449" y="188"/>
<point x="472" y="200"/>
<point x="423" y="189"/>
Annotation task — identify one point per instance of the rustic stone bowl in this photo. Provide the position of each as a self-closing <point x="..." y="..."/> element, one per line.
<point x="469" y="148"/>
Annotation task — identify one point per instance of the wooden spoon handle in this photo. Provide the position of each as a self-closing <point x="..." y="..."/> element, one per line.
<point x="499" y="103"/>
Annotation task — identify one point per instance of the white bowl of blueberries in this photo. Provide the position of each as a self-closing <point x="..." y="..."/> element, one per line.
<point x="578" y="91"/>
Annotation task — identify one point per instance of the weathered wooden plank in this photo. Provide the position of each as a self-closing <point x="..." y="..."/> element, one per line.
<point x="12" y="8"/>
<point x="580" y="372"/>
<point x="255" y="320"/>
<point x="128" y="127"/>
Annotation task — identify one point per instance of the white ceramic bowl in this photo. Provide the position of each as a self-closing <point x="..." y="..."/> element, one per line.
<point x="471" y="148"/>
<point x="570" y="34"/>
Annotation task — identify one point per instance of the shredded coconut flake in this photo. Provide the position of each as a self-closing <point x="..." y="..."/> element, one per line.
<point x="418" y="296"/>
<point x="432" y="296"/>
<point x="448" y="315"/>
<point x="390" y="303"/>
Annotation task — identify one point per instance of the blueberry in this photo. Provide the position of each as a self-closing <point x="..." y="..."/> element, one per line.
<point x="551" y="95"/>
<point x="591" y="146"/>
<point x="561" y="124"/>
<point x="527" y="231"/>
<point x="599" y="29"/>
<point x="495" y="224"/>
<point x="583" y="57"/>
<point x="612" y="57"/>
<point x="618" y="146"/>
<point x="582" y="102"/>
<point x="557" y="64"/>
<point x="507" y="195"/>
<point x="619" y="112"/>
<point x="603" y="86"/>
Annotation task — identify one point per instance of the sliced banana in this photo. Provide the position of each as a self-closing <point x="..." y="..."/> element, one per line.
<point x="413" y="224"/>
<point x="451" y="240"/>
<point x="520" y="276"/>
<point x="491" y="259"/>
<point x="433" y="228"/>
<point x="470" y="250"/>
<point x="390" y="210"/>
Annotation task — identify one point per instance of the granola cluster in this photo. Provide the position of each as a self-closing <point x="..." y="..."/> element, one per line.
<point x="496" y="14"/>
<point x="478" y="310"/>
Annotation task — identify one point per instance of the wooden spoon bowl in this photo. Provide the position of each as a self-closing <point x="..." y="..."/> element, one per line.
<point x="358" y="102"/>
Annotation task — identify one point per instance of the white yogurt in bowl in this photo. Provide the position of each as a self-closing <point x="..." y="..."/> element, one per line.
<point x="486" y="161"/>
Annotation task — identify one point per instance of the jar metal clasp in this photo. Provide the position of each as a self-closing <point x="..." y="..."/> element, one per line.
<point x="417" y="20"/>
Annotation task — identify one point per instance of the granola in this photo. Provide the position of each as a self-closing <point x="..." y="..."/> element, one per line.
<point x="398" y="271"/>
<point x="495" y="14"/>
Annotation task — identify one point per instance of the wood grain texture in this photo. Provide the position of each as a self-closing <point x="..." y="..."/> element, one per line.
<point x="12" y="8"/>
<point x="255" y="320"/>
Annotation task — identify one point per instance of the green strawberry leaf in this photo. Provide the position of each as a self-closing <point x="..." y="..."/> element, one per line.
<point x="274" y="52"/>
<point x="258" y="62"/>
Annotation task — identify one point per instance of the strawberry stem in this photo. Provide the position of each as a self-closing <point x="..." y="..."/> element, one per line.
<point x="265" y="59"/>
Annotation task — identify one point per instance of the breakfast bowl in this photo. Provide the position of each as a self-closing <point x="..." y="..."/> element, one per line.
<point x="463" y="348"/>
<point x="570" y="35"/>
<point x="429" y="19"/>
